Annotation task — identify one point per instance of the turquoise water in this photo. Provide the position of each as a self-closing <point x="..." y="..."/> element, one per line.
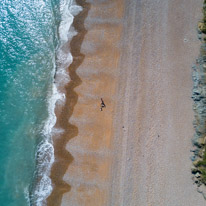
<point x="28" y="42"/>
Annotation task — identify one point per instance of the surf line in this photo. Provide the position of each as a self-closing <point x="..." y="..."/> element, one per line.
<point x="45" y="184"/>
<point x="62" y="157"/>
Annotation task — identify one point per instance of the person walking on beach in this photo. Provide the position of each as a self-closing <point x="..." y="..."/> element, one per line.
<point x="102" y="105"/>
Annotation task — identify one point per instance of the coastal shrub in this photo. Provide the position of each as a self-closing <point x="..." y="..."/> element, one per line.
<point x="202" y="24"/>
<point x="203" y="161"/>
<point x="203" y="175"/>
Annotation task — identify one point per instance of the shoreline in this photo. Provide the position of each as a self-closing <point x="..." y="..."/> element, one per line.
<point x="62" y="157"/>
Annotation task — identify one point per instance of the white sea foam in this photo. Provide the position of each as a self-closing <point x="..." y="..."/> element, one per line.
<point x="45" y="150"/>
<point x="64" y="60"/>
<point x="51" y="120"/>
<point x="68" y="10"/>
<point x="26" y="195"/>
<point x="45" y="155"/>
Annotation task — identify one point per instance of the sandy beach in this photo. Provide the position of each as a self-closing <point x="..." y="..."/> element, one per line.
<point x="136" y="56"/>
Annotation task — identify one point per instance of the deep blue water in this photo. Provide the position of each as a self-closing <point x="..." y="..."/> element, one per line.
<point x="28" y="42"/>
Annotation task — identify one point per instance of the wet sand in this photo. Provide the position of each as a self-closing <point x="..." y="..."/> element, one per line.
<point x="137" y="56"/>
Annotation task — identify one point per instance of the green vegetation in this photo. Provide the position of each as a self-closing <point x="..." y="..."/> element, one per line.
<point x="202" y="24"/>
<point x="199" y="97"/>
<point x="201" y="168"/>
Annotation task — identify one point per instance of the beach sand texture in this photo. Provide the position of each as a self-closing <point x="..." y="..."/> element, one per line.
<point x="137" y="56"/>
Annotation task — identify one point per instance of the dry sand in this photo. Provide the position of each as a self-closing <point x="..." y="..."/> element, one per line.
<point x="137" y="56"/>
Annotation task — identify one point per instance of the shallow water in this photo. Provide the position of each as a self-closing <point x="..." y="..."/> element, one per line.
<point x="33" y="36"/>
<point x="28" y="43"/>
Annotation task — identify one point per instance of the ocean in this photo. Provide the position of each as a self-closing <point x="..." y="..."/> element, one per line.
<point x="32" y="37"/>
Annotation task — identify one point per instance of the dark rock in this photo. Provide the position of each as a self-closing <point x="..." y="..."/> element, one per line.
<point x="194" y="170"/>
<point x="193" y="158"/>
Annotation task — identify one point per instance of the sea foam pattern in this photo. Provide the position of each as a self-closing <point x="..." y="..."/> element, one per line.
<point x="28" y="41"/>
<point x="45" y="151"/>
<point x="34" y="38"/>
